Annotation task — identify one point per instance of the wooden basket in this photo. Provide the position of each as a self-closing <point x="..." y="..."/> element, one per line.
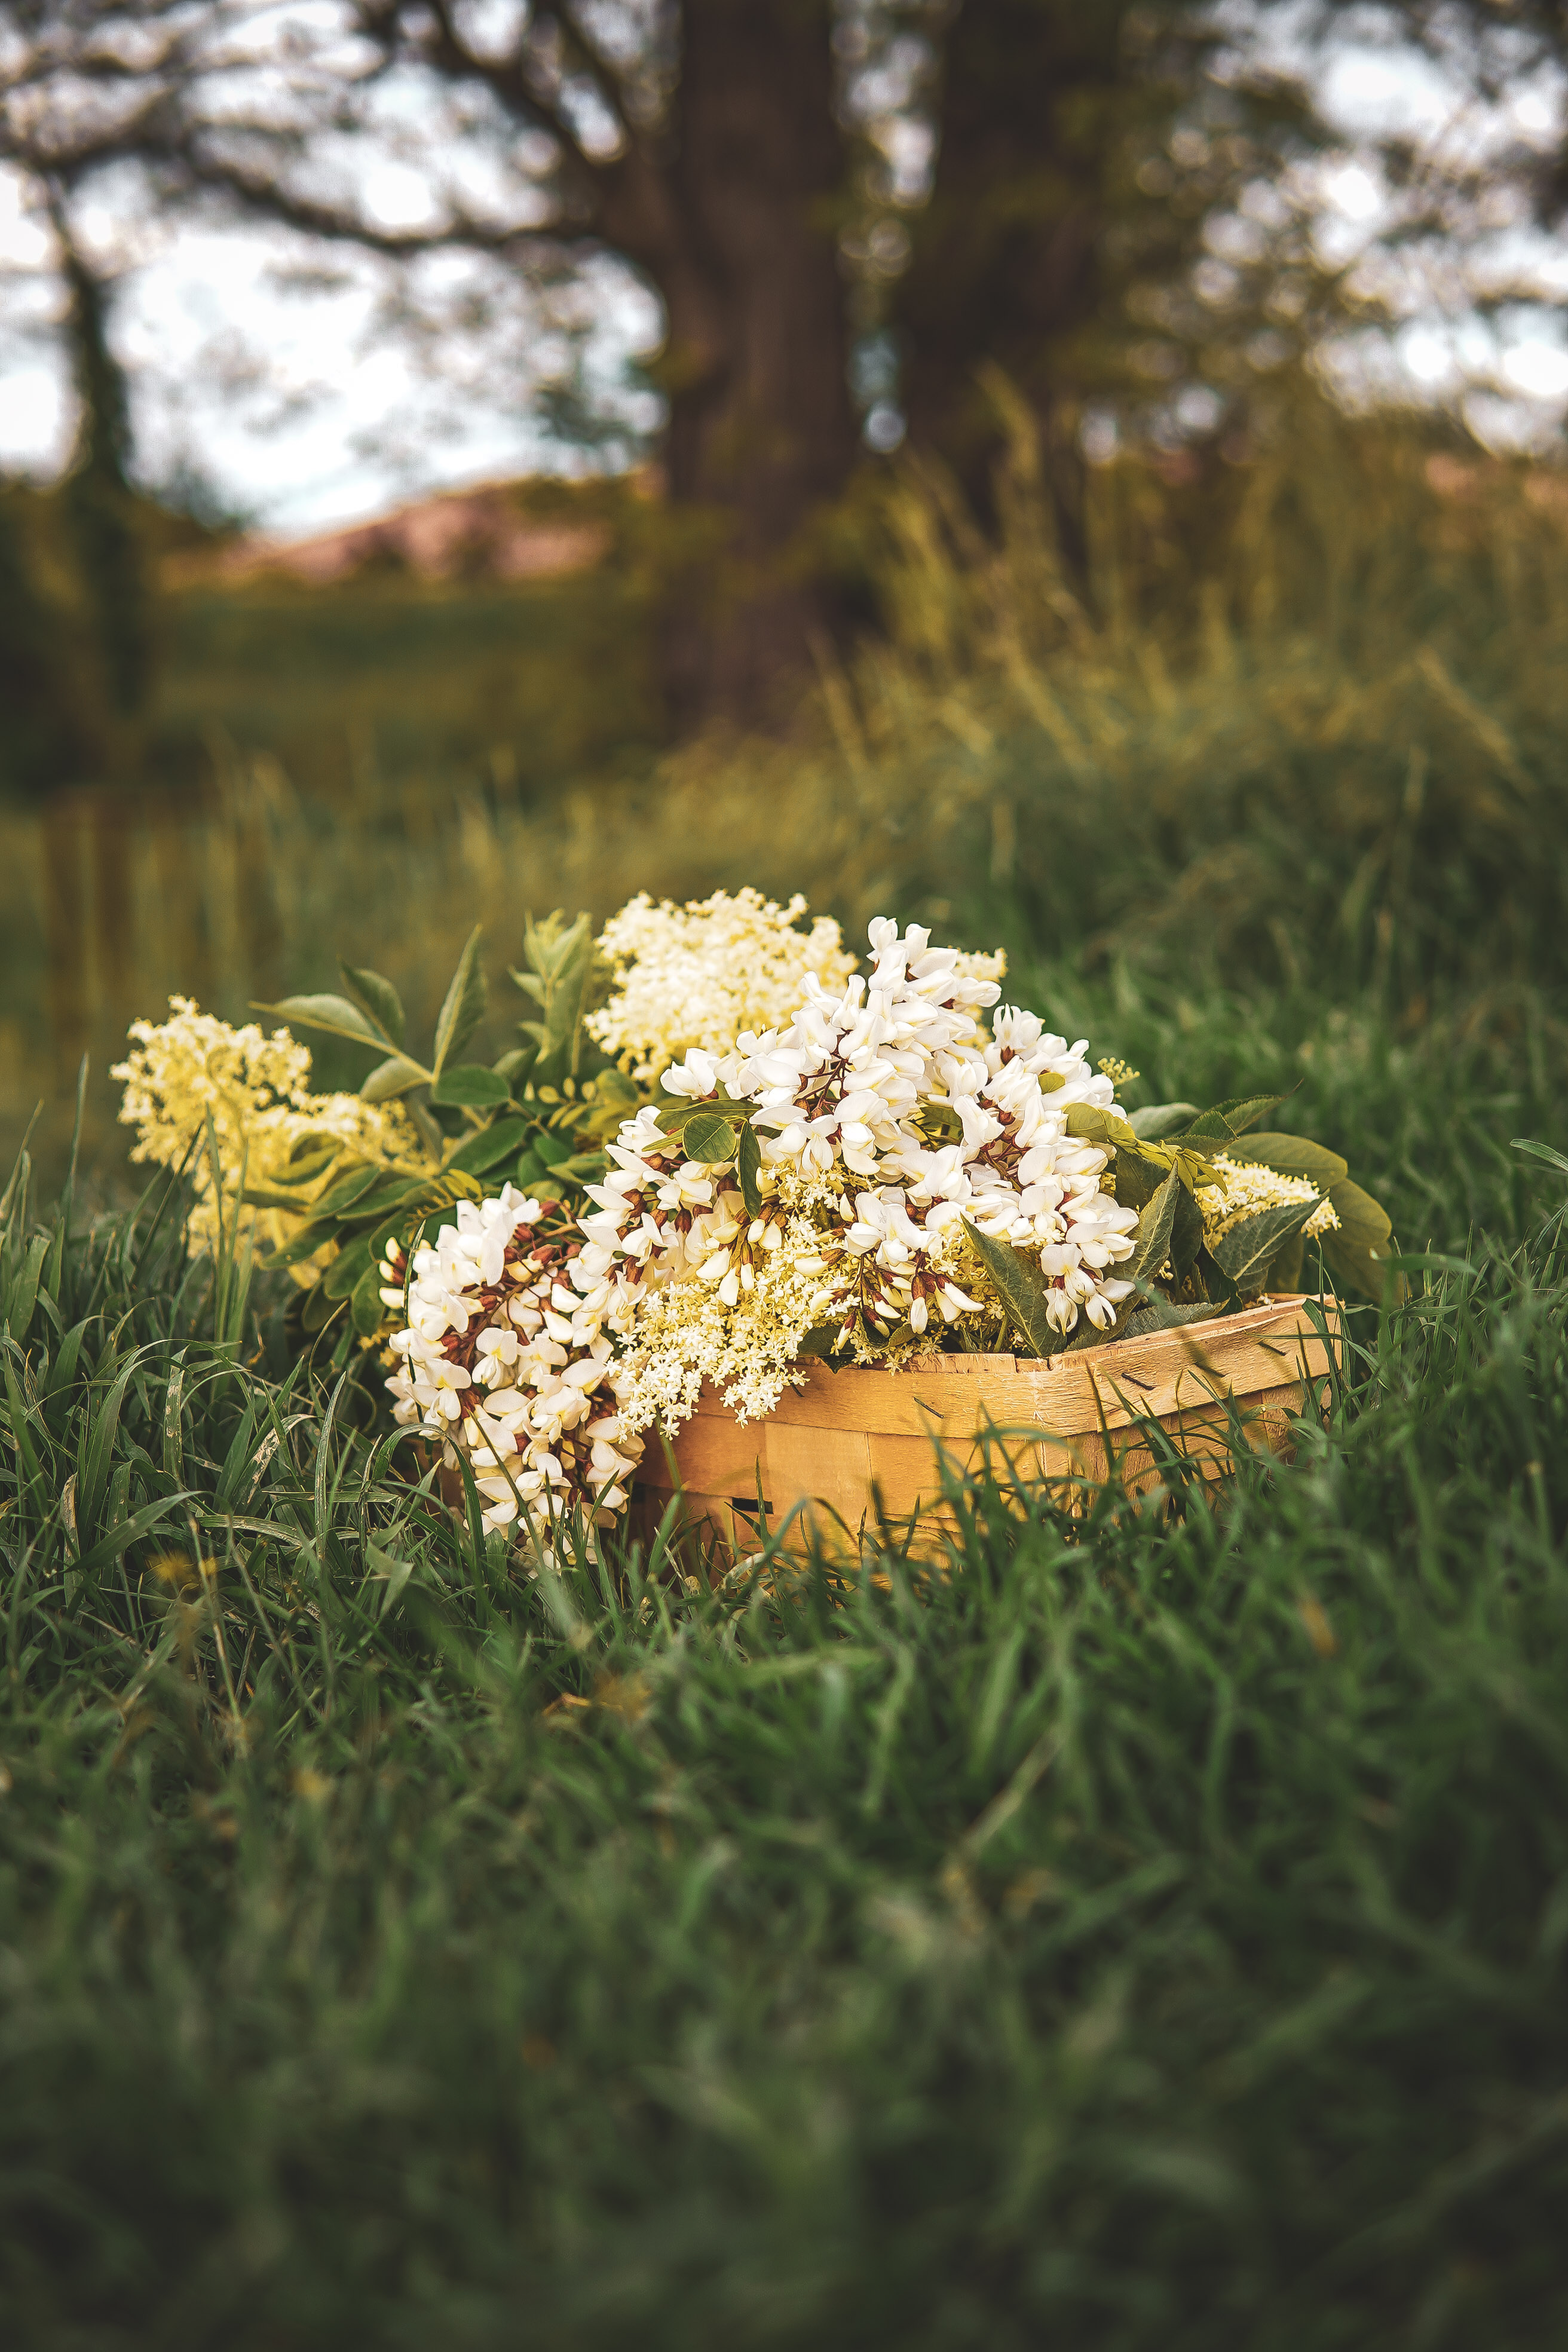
<point x="852" y="1443"/>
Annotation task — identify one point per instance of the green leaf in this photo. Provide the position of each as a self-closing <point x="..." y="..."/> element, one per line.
<point x="464" y="1007"/>
<point x="551" y="1148"/>
<point x="268" y="1196"/>
<point x="1138" y="1179"/>
<point x="1364" y="1221"/>
<point x="347" y="1267"/>
<point x="318" y="1311"/>
<point x="1542" y="1151"/>
<point x="389" y="1079"/>
<point x="1355" y="1253"/>
<point x="710" y="1140"/>
<point x="377" y="998"/>
<point x="529" y="1171"/>
<point x="1186" y="1237"/>
<point x="1225" y="1120"/>
<point x="748" y="1165"/>
<point x="676" y="1111"/>
<point x="1159" y="1315"/>
<point x="1245" y="1254"/>
<point x="563" y="957"/>
<point x="305" y="1244"/>
<point x="352" y="1189"/>
<point x="333" y="1014"/>
<point x="1022" y="1288"/>
<point x="1293" y="1155"/>
<point x="1288" y="1270"/>
<point x="304" y="1168"/>
<point x="470" y="1088"/>
<point x="493" y="1144"/>
<point x="1160" y="1119"/>
<point x="1151" y="1243"/>
<point x="1094" y="1125"/>
<point x="24" y="1293"/>
<point x="368" y="1310"/>
<point x="819" y="1342"/>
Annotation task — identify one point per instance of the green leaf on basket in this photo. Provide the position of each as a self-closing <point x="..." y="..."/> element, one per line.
<point x="377" y="998"/>
<point x="1093" y="1123"/>
<point x="710" y="1139"/>
<point x="1159" y="1315"/>
<point x="1022" y="1288"/>
<point x="464" y="1006"/>
<point x="391" y="1078"/>
<point x="1288" y="1270"/>
<point x="1138" y="1179"/>
<point x="1230" y="1118"/>
<point x="1156" y="1224"/>
<point x="1356" y="1251"/>
<point x="471" y="1087"/>
<point x="1157" y="1120"/>
<point x="1293" y="1155"/>
<point x="1186" y="1237"/>
<point x="1245" y="1254"/>
<point x="748" y="1165"/>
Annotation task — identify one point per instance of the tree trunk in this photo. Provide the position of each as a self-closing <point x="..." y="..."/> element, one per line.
<point x="1006" y="265"/>
<point x="762" y="432"/>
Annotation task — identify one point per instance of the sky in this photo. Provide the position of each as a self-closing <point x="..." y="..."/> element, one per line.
<point x="306" y="388"/>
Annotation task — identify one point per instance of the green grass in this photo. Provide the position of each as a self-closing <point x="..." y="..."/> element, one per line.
<point x="385" y="681"/>
<point x="1148" y="1934"/>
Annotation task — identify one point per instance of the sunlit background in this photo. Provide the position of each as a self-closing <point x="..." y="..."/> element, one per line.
<point x="1162" y="356"/>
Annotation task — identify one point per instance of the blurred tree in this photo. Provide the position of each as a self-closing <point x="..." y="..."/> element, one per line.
<point x="115" y="561"/>
<point x="79" y="578"/>
<point x="696" y="139"/>
<point x="1084" y="152"/>
<point x="1126" y="207"/>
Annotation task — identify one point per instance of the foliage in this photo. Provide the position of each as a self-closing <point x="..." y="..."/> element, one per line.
<point x="1148" y="1933"/>
<point x="540" y="1114"/>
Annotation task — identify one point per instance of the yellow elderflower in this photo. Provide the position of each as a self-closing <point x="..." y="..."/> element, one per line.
<point x="699" y="975"/>
<point x="1242" y="1191"/>
<point x="688" y="1333"/>
<point x="256" y="1089"/>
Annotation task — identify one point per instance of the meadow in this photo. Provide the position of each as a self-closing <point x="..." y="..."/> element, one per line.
<point x="1146" y="1931"/>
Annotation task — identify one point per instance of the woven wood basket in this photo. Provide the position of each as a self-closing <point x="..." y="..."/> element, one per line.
<point x="851" y="1444"/>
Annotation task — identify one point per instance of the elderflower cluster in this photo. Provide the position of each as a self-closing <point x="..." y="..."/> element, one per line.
<point x="507" y="1356"/>
<point x="1241" y="1190"/>
<point x="256" y="1090"/>
<point x="697" y="975"/>
<point x="884" y="1116"/>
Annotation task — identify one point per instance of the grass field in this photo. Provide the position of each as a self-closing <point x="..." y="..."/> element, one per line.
<point x="1147" y="1934"/>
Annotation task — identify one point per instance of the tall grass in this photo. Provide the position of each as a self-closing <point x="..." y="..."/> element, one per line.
<point x="1300" y="729"/>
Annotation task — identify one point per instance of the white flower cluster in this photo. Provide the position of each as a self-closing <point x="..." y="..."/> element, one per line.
<point x="885" y="1117"/>
<point x="697" y="975"/>
<point x="506" y="1356"/>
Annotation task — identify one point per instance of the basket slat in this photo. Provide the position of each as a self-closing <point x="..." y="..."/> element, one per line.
<point x="847" y="1445"/>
